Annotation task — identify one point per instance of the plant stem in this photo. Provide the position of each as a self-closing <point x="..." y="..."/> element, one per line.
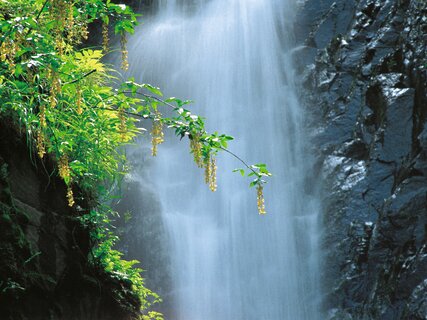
<point x="241" y="160"/>
<point x="82" y="77"/>
<point x="41" y="10"/>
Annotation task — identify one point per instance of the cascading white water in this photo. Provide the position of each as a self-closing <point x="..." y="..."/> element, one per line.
<point x="227" y="262"/>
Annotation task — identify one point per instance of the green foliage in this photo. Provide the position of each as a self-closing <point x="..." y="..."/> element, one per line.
<point x="64" y="100"/>
<point x="74" y="111"/>
<point x="111" y="260"/>
<point x="98" y="221"/>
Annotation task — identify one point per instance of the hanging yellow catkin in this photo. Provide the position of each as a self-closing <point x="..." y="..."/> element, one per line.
<point x="41" y="151"/>
<point x="70" y="196"/>
<point x="4" y="50"/>
<point x="59" y="44"/>
<point x="63" y="167"/>
<point x="212" y="179"/>
<point x="61" y="13"/>
<point x="207" y="164"/>
<point x="260" y="200"/>
<point x="157" y="135"/>
<point x="70" y="22"/>
<point x="105" y="37"/>
<point x="58" y="11"/>
<point x="55" y="88"/>
<point x="42" y="116"/>
<point x="83" y="31"/>
<point x="196" y="149"/>
<point x="123" y="46"/>
<point x="8" y="51"/>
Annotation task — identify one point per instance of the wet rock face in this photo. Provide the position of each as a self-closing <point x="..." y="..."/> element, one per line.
<point x="363" y="69"/>
<point x="44" y="268"/>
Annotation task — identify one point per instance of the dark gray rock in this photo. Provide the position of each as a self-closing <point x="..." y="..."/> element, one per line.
<point x="366" y="95"/>
<point x="417" y="306"/>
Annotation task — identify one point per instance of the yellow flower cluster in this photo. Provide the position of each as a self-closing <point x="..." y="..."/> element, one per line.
<point x="79" y="99"/>
<point x="5" y="49"/>
<point x="83" y="31"/>
<point x="79" y="31"/>
<point x="123" y="43"/>
<point x="55" y="87"/>
<point x="8" y="50"/>
<point x="210" y="173"/>
<point x="196" y="149"/>
<point x="62" y="12"/>
<point x="122" y="125"/>
<point x="41" y="151"/>
<point x="207" y="164"/>
<point x="59" y="44"/>
<point x="157" y="135"/>
<point x="260" y="200"/>
<point x="64" y="168"/>
<point x="58" y="10"/>
<point x="70" y="196"/>
<point x="42" y="116"/>
<point x="70" y="22"/>
<point x="105" y="37"/>
<point x="64" y="173"/>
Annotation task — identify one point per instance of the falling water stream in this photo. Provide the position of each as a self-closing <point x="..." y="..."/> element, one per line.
<point x="227" y="262"/>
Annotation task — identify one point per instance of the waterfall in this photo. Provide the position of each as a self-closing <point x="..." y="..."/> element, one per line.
<point x="232" y="57"/>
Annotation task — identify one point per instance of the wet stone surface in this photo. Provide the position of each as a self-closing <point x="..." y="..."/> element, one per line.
<point x="364" y="77"/>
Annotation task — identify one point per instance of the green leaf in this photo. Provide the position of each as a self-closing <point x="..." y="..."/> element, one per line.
<point x="152" y="89"/>
<point x="242" y="171"/>
<point x="18" y="70"/>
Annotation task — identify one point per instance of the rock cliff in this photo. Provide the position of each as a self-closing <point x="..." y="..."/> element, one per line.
<point x="363" y="65"/>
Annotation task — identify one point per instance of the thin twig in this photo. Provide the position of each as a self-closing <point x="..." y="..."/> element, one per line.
<point x="41" y="10"/>
<point x="82" y="77"/>
<point x="240" y="159"/>
<point x="152" y="97"/>
<point x="125" y="112"/>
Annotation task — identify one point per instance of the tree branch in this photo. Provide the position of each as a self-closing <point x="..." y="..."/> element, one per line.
<point x="174" y="107"/>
